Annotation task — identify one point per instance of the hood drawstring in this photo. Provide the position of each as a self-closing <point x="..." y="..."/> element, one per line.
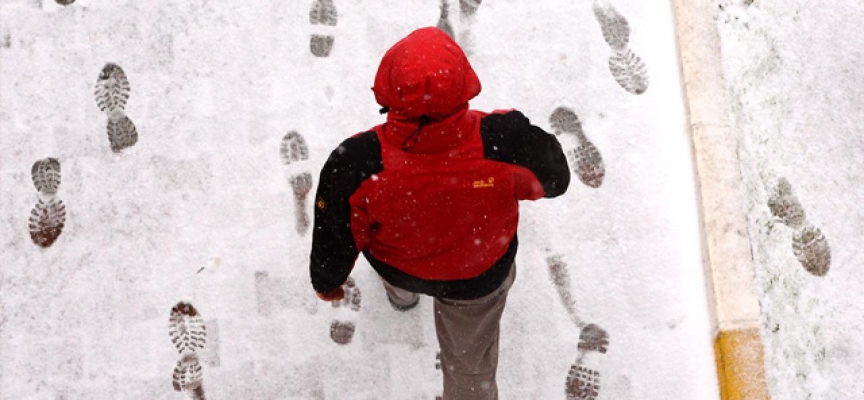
<point x="414" y="137"/>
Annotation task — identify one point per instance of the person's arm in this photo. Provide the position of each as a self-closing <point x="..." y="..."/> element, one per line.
<point x="510" y="138"/>
<point x="337" y="235"/>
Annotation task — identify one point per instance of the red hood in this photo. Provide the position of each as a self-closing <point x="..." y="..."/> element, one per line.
<point x="426" y="73"/>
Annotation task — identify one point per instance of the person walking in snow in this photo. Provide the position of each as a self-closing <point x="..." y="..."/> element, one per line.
<point x="430" y="198"/>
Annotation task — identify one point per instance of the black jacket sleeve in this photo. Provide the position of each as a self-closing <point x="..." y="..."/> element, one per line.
<point x="512" y="139"/>
<point x="334" y="250"/>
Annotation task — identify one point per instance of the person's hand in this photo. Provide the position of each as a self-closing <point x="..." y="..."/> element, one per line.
<point x="333" y="295"/>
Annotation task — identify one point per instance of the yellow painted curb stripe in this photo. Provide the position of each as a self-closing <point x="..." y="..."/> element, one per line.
<point x="740" y="365"/>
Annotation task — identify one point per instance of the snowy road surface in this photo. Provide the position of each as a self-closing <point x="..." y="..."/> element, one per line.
<point x="201" y="181"/>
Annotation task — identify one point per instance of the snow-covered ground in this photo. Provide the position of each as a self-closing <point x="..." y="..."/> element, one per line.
<point x="795" y="78"/>
<point x="215" y="85"/>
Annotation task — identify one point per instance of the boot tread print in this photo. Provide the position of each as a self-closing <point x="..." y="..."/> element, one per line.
<point x="301" y="185"/>
<point x="588" y="164"/>
<point x="582" y="383"/>
<point x="322" y="12"/>
<point x="187" y="374"/>
<point x="293" y="148"/>
<point x="564" y="120"/>
<point x="444" y="20"/>
<point x="342" y="332"/>
<point x="122" y="133"/>
<point x="585" y="158"/>
<point x="812" y="250"/>
<point x="467" y="8"/>
<point x="353" y="296"/>
<point x="627" y="68"/>
<point x="593" y="338"/>
<point x="629" y="71"/>
<point x="809" y="245"/>
<point x="47" y="220"/>
<point x="186" y="329"/>
<point x="46" y="176"/>
<point x="785" y="205"/>
<point x="112" y="88"/>
<point x="615" y="28"/>
<point x="188" y="334"/>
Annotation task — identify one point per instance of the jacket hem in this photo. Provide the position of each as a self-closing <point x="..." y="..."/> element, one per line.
<point x="456" y="289"/>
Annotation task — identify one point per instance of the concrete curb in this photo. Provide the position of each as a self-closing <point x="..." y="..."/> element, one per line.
<point x="727" y="257"/>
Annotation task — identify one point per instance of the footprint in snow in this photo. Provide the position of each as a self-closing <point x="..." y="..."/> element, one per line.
<point x="812" y="250"/>
<point x="294" y="150"/>
<point x="613" y="25"/>
<point x="785" y="205"/>
<point x="46" y="176"/>
<point x="444" y="20"/>
<point x="583" y="379"/>
<point x="342" y="331"/>
<point x="585" y="158"/>
<point x="122" y="133"/>
<point x="628" y="70"/>
<point x="186" y="328"/>
<point x="322" y="12"/>
<point x="112" y="93"/>
<point x="112" y="88"/>
<point x="468" y="8"/>
<point x="189" y="335"/>
<point x="47" y="220"/>
<point x="809" y="244"/>
<point x="188" y="377"/>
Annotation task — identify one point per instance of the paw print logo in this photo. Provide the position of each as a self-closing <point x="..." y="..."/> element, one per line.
<point x="490" y="182"/>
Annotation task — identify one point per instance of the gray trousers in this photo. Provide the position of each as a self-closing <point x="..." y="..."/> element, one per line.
<point x="468" y="332"/>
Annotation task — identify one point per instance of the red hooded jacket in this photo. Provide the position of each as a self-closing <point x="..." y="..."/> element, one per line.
<point x="431" y="196"/>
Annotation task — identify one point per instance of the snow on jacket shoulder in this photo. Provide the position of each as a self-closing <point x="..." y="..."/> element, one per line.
<point x="439" y="218"/>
